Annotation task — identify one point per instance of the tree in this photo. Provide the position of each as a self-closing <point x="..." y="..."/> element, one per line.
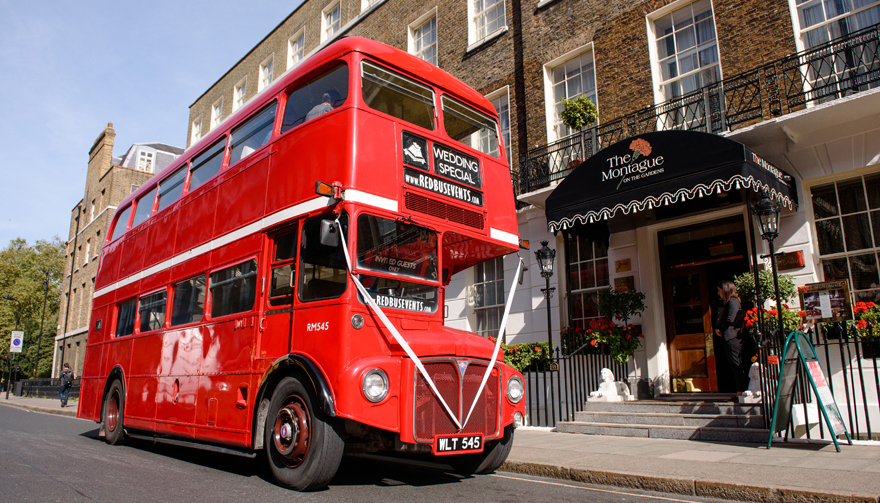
<point x="23" y="270"/>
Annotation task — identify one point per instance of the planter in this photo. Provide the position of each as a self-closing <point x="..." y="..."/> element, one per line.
<point x="871" y="348"/>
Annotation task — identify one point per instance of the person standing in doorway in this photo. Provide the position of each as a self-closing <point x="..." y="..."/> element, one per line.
<point x="67" y="378"/>
<point x="729" y="327"/>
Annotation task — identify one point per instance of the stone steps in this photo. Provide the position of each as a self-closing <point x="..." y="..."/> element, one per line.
<point x="718" y="421"/>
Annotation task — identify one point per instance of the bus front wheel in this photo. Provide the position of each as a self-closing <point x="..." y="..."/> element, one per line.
<point x="489" y="460"/>
<point x="303" y="447"/>
<point x="114" y="407"/>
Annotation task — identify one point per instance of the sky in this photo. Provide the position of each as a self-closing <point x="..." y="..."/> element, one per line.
<point x="67" y="68"/>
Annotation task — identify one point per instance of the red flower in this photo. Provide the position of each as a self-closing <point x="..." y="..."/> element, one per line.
<point x="861" y="324"/>
<point x="627" y="336"/>
<point x="593" y="343"/>
<point x="642" y="336"/>
<point x="785" y="306"/>
<point x="538" y="348"/>
<point x="802" y="313"/>
<point x="870" y="305"/>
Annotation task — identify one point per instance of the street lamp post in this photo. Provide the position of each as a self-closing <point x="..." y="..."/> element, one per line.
<point x="546" y="257"/>
<point x="766" y="213"/>
<point x="42" y="319"/>
<point x="12" y="363"/>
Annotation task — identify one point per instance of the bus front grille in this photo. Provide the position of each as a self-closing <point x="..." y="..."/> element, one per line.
<point x="445" y="211"/>
<point x="458" y="391"/>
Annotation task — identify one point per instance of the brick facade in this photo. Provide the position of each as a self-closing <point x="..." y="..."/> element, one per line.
<point x="749" y="33"/>
<point x="107" y="184"/>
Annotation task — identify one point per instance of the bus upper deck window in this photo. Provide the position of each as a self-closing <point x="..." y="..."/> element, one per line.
<point x="253" y="134"/>
<point x="320" y="95"/>
<point x="121" y="224"/>
<point x="171" y="188"/>
<point x="398" y="96"/>
<point x="144" y="208"/>
<point x="474" y="129"/>
<point x="207" y="164"/>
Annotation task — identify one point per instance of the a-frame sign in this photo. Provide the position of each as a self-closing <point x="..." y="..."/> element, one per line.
<point x="799" y="349"/>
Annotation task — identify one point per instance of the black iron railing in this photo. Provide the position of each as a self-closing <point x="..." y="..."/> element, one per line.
<point x="837" y="69"/>
<point x="851" y="366"/>
<point x="558" y="387"/>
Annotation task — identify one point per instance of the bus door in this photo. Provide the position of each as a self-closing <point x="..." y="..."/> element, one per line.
<point x="276" y="319"/>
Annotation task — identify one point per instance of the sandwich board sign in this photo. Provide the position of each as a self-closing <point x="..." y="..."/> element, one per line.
<point x="799" y="351"/>
<point x="17" y="342"/>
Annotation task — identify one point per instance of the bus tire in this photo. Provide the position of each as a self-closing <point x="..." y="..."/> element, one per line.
<point x="493" y="456"/>
<point x="111" y="416"/>
<point x="303" y="446"/>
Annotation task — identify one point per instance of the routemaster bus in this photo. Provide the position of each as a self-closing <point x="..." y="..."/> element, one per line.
<point x="280" y="286"/>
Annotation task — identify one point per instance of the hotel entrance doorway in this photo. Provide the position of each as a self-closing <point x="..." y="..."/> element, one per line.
<point x="693" y="260"/>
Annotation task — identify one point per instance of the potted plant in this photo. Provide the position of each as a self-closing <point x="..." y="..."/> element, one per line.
<point x="867" y="316"/>
<point x="622" y="339"/>
<point x="577" y="113"/>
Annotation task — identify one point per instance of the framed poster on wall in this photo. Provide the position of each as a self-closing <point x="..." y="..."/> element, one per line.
<point x="827" y="301"/>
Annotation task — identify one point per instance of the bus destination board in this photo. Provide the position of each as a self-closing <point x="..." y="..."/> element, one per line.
<point x="456" y="166"/>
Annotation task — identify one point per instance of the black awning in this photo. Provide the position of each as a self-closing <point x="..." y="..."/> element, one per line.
<point x="661" y="168"/>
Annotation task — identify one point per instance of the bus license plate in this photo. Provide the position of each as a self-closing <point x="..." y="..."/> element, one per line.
<point x="458" y="444"/>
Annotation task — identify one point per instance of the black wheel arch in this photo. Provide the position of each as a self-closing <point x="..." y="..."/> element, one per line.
<point x="115" y="374"/>
<point x="295" y="365"/>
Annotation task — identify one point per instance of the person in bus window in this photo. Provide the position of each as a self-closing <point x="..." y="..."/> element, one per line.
<point x="320" y="108"/>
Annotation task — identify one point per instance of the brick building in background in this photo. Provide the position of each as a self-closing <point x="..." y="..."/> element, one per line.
<point x="108" y="180"/>
<point x="795" y="81"/>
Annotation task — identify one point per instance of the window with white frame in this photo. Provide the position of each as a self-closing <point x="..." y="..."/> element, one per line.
<point x="501" y="102"/>
<point x="92" y="214"/>
<point x="217" y="113"/>
<point x="846" y="214"/>
<point x="331" y="19"/>
<point x="145" y="159"/>
<point x="686" y="50"/>
<point x="570" y="78"/>
<point x="586" y="263"/>
<point x="365" y="4"/>
<point x="196" y="131"/>
<point x="239" y="93"/>
<point x="488" y="297"/>
<point x="266" y="72"/>
<point x="88" y="252"/>
<point x="423" y="37"/>
<point x="486" y="17"/>
<point x="296" y="48"/>
<point x="822" y="20"/>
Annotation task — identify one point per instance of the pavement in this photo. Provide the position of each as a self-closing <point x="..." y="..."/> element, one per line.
<point x="795" y="471"/>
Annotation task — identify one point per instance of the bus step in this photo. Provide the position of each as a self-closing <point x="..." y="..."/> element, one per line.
<point x="195" y="445"/>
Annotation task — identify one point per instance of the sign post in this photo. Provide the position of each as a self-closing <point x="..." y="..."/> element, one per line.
<point x="799" y="351"/>
<point x="15" y="345"/>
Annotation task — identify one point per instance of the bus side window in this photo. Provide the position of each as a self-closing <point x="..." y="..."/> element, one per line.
<point x="189" y="301"/>
<point x="125" y="315"/>
<point x="308" y="101"/>
<point x="170" y="188"/>
<point x="121" y="224"/>
<point x="323" y="272"/>
<point x="252" y="135"/>
<point x="397" y="96"/>
<point x="207" y="164"/>
<point x="234" y="289"/>
<point x="152" y="311"/>
<point x="283" y="269"/>
<point x="144" y="208"/>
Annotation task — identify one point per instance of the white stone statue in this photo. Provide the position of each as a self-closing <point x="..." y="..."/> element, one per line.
<point x="753" y="393"/>
<point x="609" y="390"/>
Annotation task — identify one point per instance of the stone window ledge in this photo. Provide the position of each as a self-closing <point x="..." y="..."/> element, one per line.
<point x="476" y="45"/>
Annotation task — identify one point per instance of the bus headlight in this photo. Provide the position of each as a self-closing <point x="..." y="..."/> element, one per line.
<point x="515" y="389"/>
<point x="518" y="420"/>
<point x="357" y="321"/>
<point x="375" y="385"/>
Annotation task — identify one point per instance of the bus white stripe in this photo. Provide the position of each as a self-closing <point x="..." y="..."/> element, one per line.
<point x="279" y="216"/>
<point x="371" y="199"/>
<point x="503" y="236"/>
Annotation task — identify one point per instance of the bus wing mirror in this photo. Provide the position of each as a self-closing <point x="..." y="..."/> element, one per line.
<point x="329" y="233"/>
<point x="332" y="190"/>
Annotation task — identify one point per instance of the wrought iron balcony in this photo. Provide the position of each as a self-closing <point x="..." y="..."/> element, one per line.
<point x="837" y="69"/>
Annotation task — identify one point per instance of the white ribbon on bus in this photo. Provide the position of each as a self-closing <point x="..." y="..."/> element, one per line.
<point x="408" y="350"/>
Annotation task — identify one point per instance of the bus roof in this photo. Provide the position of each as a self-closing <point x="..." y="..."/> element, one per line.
<point x="387" y="54"/>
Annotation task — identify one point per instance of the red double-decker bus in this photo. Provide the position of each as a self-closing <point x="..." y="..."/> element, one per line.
<point x="280" y="287"/>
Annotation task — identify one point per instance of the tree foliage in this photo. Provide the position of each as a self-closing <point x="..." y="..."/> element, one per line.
<point x="578" y="112"/>
<point x="745" y="287"/>
<point x="23" y="273"/>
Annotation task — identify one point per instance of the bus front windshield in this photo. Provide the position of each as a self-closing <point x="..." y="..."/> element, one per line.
<point x="400" y="249"/>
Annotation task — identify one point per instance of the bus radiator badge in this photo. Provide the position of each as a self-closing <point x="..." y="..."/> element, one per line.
<point x="462" y="366"/>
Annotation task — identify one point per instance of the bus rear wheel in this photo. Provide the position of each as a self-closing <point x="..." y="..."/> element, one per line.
<point x="114" y="408"/>
<point x="493" y="456"/>
<point x="303" y="447"/>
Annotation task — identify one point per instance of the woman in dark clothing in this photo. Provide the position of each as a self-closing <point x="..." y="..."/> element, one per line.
<point x="729" y="327"/>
